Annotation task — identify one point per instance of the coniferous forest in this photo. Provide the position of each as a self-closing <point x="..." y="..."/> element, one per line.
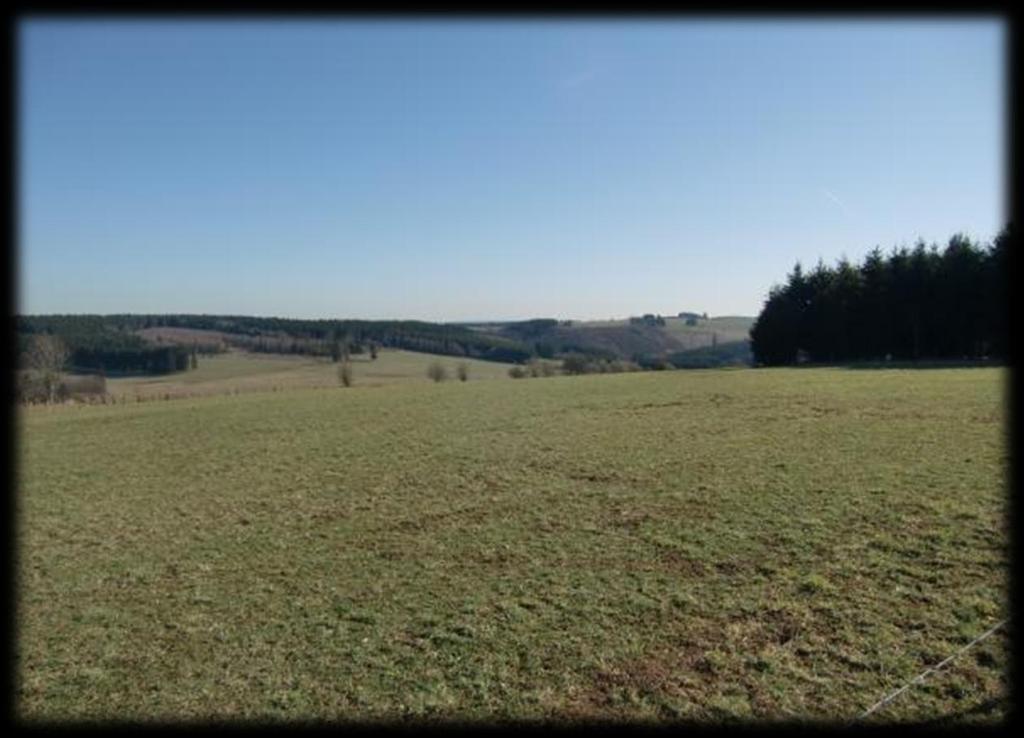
<point x="913" y="304"/>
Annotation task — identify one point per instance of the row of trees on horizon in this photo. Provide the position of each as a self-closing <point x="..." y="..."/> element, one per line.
<point x="92" y="347"/>
<point x="111" y="342"/>
<point x="911" y="304"/>
<point x="914" y="303"/>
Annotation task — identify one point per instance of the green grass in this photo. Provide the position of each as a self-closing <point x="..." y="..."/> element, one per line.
<point x="709" y="545"/>
<point x="727" y="328"/>
<point x="246" y="372"/>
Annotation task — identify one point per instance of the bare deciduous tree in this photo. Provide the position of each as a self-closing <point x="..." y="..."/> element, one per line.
<point x="47" y="355"/>
<point x="47" y="352"/>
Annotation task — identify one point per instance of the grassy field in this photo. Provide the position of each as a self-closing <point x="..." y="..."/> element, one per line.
<point x="724" y="329"/>
<point x="706" y="545"/>
<point x="246" y="372"/>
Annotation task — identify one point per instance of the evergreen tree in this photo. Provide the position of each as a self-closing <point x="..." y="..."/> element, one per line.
<point x="917" y="303"/>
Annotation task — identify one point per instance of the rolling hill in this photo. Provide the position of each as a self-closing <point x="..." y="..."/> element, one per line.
<point x="635" y="339"/>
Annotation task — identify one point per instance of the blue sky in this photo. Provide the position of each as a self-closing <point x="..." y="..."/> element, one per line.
<point x="456" y="170"/>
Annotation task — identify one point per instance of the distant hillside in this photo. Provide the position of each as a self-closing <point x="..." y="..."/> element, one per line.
<point x="732" y="353"/>
<point x="644" y="337"/>
<point x="161" y="343"/>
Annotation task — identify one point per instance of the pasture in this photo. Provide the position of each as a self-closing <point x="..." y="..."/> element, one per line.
<point x="725" y="328"/>
<point x="680" y="336"/>
<point x="238" y="371"/>
<point x="785" y="544"/>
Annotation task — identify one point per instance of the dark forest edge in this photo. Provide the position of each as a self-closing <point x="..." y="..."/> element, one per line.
<point x="111" y="344"/>
<point x="919" y="304"/>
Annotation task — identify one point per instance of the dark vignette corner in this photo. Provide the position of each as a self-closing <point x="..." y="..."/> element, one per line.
<point x="11" y="267"/>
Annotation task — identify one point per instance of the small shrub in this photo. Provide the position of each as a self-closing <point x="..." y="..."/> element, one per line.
<point x="32" y="388"/>
<point x="437" y="372"/>
<point x="462" y="370"/>
<point x="345" y="373"/>
<point x="517" y="372"/>
<point x="84" y="387"/>
<point x="576" y="364"/>
<point x="619" y="365"/>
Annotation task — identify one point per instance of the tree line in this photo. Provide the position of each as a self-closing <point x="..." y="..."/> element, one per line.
<point x="109" y="342"/>
<point x="93" y="345"/>
<point x="911" y="304"/>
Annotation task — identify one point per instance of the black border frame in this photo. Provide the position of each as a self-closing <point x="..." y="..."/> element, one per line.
<point x="559" y="12"/>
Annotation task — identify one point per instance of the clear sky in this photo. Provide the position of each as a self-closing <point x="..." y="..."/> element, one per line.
<point x="455" y="170"/>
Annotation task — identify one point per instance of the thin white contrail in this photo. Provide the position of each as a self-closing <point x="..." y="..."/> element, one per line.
<point x="576" y="80"/>
<point x="834" y="198"/>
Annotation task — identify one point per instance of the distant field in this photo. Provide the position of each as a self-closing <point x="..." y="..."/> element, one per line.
<point x="728" y="328"/>
<point x="627" y="340"/>
<point x="725" y="328"/>
<point x="709" y="545"/>
<point x="248" y="372"/>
